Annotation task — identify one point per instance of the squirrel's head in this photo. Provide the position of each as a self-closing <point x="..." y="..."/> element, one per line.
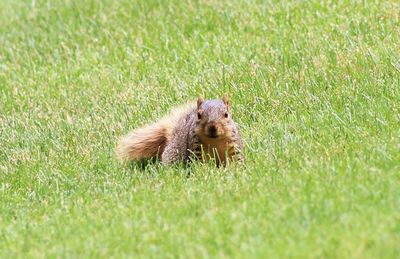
<point x="213" y="118"/>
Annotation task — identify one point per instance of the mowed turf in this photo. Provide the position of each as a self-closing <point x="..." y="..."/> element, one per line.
<point x="315" y="89"/>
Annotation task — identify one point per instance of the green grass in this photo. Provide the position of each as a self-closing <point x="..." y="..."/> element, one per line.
<point x="315" y="87"/>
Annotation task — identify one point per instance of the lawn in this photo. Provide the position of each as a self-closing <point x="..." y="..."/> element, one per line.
<point x="315" y="89"/>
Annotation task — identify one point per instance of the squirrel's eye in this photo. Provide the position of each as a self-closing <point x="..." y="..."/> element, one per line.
<point x="199" y="115"/>
<point x="226" y="115"/>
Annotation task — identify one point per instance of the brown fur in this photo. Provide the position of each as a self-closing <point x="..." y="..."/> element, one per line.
<point x="219" y="149"/>
<point x="142" y="143"/>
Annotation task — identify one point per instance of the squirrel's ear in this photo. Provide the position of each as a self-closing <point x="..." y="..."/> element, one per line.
<point x="225" y="99"/>
<point x="200" y="101"/>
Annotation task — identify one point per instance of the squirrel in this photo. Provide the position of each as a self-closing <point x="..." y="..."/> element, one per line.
<point x="206" y="132"/>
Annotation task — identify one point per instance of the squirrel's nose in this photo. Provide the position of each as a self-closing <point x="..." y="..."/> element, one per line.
<point x="212" y="128"/>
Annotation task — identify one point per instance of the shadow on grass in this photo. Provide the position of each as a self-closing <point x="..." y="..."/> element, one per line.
<point x="155" y="167"/>
<point x="142" y="165"/>
<point x="195" y="168"/>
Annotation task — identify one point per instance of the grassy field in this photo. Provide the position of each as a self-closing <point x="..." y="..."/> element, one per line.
<point x="315" y="88"/>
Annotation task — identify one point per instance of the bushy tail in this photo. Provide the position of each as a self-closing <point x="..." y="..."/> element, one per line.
<point x="150" y="141"/>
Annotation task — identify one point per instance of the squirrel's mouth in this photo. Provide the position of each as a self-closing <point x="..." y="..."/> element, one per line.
<point x="212" y="135"/>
